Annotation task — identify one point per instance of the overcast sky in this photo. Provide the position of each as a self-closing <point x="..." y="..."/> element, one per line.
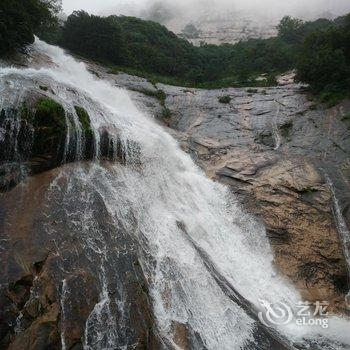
<point x="279" y="7"/>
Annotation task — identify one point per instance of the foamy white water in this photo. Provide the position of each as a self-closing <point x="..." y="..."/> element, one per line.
<point x="179" y="213"/>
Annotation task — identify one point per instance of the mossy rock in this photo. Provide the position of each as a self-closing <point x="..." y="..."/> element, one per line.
<point x="166" y="113"/>
<point x="84" y="120"/>
<point x="49" y="113"/>
<point x="50" y="127"/>
<point x="87" y="130"/>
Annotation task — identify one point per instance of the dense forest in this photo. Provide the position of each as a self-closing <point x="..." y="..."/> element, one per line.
<point x="320" y="50"/>
<point x="20" y="20"/>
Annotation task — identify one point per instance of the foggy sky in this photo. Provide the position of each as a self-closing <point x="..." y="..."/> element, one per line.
<point x="190" y="8"/>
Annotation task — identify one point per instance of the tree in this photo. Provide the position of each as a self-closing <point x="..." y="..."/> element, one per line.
<point x="20" y="20"/>
<point x="289" y="29"/>
<point x="95" y="37"/>
<point x="324" y="61"/>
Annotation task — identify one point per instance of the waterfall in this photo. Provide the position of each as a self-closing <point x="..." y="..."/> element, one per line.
<point x="208" y="263"/>
<point x="342" y="228"/>
<point x="275" y="129"/>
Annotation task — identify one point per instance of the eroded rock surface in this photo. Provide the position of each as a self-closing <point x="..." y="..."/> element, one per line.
<point x="273" y="148"/>
<point x="64" y="279"/>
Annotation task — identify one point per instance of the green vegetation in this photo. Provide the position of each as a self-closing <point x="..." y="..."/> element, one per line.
<point x="252" y="91"/>
<point x="166" y="113"/>
<point x="225" y="99"/>
<point x="160" y="95"/>
<point x="308" y="190"/>
<point x="20" y="20"/>
<point x="84" y="121"/>
<point x="49" y="122"/>
<point x="320" y="50"/>
<point x="324" y="61"/>
<point x="346" y="117"/>
<point x="49" y="113"/>
<point x="127" y="41"/>
<point x="148" y="49"/>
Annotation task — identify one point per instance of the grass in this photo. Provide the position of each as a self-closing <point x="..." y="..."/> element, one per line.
<point x="225" y="99"/>
<point x="331" y="98"/>
<point x="252" y="91"/>
<point x="160" y="95"/>
<point x="308" y="190"/>
<point x="328" y="98"/>
<point x="226" y="82"/>
<point x="166" y="113"/>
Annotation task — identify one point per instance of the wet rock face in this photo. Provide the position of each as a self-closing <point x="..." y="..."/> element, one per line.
<point x="60" y="285"/>
<point x="34" y="138"/>
<point x="273" y="147"/>
<point x="39" y="133"/>
<point x="65" y="281"/>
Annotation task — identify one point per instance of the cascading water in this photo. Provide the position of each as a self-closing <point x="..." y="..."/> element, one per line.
<point x="208" y="263"/>
<point x="275" y="129"/>
<point x="342" y="228"/>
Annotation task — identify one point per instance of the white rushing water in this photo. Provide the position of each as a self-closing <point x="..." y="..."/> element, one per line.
<point x="185" y="221"/>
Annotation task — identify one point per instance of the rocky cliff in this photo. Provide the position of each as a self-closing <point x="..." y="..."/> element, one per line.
<point x="286" y="158"/>
<point x="275" y="148"/>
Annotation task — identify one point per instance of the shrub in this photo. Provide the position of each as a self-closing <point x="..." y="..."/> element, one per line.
<point x="224" y="99"/>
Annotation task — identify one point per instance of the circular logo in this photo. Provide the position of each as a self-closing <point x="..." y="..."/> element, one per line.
<point x="276" y="314"/>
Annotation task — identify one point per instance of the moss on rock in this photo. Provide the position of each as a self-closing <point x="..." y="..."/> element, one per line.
<point x="49" y="113"/>
<point x="50" y="127"/>
<point x="85" y="121"/>
<point x="225" y="99"/>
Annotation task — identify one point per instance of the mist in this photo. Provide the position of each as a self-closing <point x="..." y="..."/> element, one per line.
<point x="301" y="8"/>
<point x="176" y="15"/>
